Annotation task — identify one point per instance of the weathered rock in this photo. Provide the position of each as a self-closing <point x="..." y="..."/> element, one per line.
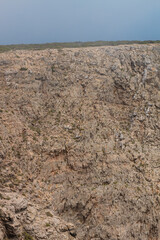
<point x="32" y="222"/>
<point x="80" y="143"/>
<point x="2" y="232"/>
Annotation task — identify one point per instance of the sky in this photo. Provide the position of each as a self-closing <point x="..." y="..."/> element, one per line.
<point x="44" y="21"/>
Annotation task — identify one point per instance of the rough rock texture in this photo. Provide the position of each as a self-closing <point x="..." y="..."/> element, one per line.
<point x="79" y="144"/>
<point x="21" y="219"/>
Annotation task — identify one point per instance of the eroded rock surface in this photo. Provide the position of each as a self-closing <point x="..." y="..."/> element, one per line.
<point x="21" y="219"/>
<point x="80" y="144"/>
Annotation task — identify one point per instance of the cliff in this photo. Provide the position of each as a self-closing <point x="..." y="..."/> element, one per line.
<point x="80" y="143"/>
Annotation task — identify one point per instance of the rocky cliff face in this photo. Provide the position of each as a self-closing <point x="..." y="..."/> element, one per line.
<point x="79" y="144"/>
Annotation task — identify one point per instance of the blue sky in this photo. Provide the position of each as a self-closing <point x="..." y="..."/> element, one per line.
<point x="41" y="21"/>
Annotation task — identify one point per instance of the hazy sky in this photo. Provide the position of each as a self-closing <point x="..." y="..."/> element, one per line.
<point x="40" y="21"/>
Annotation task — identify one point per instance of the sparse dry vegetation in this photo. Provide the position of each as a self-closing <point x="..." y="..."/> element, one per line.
<point x="4" y="48"/>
